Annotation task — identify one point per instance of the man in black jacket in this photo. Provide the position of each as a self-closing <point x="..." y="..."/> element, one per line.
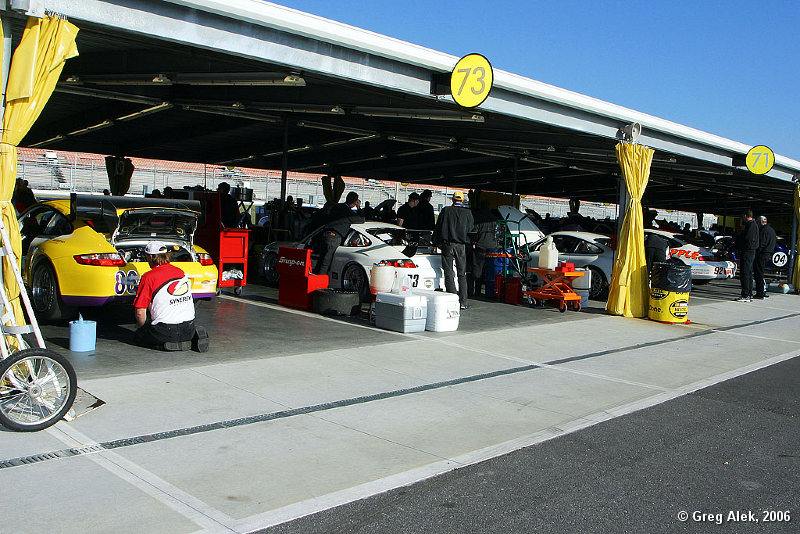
<point x="450" y="234"/>
<point x="484" y="240"/>
<point x="748" y="243"/>
<point x="766" y="246"/>
<point x="425" y="217"/>
<point x="334" y="232"/>
<point x="407" y="214"/>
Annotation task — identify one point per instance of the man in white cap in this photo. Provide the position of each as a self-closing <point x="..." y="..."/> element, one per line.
<point x="450" y="235"/>
<point x="166" y="293"/>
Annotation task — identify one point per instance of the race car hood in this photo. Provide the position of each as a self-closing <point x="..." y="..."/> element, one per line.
<point x="155" y="224"/>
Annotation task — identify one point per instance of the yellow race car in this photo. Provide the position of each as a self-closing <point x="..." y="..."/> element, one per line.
<point x="89" y="250"/>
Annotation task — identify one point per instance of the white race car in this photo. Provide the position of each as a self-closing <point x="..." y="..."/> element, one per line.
<point x="365" y="245"/>
<point x="704" y="263"/>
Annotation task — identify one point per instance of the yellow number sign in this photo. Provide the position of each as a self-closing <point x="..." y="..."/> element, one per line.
<point x="760" y="159"/>
<point x="471" y="80"/>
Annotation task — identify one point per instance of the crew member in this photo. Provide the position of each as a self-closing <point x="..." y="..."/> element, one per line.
<point x="166" y="293"/>
<point x="229" y="209"/>
<point x="766" y="246"/>
<point x="748" y="241"/>
<point x="483" y="241"/>
<point x="406" y="215"/>
<point x="425" y="217"/>
<point x="450" y="234"/>
<point x="334" y="232"/>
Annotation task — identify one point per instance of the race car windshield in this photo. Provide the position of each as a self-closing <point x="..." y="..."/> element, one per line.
<point x="161" y="223"/>
<point x="399" y="237"/>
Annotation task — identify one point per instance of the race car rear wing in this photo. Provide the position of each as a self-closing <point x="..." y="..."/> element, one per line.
<point x="103" y="208"/>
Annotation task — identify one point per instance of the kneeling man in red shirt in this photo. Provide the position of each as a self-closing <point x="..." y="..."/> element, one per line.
<point x="166" y="293"/>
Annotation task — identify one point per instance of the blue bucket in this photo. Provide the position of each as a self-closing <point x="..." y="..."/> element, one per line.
<point x="82" y="335"/>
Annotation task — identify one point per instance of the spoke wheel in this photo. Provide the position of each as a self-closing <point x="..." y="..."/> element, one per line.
<point x="355" y="279"/>
<point x="37" y="388"/>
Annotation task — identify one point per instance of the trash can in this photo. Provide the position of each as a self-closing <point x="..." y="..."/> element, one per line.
<point x="670" y="285"/>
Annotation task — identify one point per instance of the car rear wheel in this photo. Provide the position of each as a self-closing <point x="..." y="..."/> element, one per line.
<point x="45" y="295"/>
<point x="599" y="285"/>
<point x="269" y="271"/>
<point x="354" y="278"/>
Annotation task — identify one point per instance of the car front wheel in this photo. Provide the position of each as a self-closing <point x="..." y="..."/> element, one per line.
<point x="599" y="285"/>
<point x="269" y="270"/>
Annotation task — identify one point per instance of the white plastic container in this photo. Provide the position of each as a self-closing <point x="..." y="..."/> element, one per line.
<point x="548" y="254"/>
<point x="444" y="310"/>
<point x="582" y="285"/>
<point x="401" y="313"/>
<point x="381" y="278"/>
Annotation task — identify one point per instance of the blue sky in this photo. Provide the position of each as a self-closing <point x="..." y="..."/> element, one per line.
<point x="728" y="68"/>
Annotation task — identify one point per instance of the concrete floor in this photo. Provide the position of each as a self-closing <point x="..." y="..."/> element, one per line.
<point x="291" y="413"/>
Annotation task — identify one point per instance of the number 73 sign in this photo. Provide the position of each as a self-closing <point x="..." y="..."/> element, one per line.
<point x="471" y="80"/>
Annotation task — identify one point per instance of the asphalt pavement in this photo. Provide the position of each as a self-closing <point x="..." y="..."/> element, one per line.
<point x="722" y="459"/>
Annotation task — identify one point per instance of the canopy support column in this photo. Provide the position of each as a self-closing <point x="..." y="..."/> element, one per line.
<point x="285" y="160"/>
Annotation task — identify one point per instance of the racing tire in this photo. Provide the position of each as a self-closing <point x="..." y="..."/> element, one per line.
<point x="599" y="287"/>
<point x="697" y="282"/>
<point x="37" y="388"/>
<point x="355" y="279"/>
<point x="269" y="269"/>
<point x="46" y="296"/>
<point x="336" y="302"/>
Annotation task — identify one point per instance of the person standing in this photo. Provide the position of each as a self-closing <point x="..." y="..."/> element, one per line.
<point x="165" y="292"/>
<point x="766" y="246"/>
<point x="228" y="208"/>
<point x="406" y="214"/>
<point x="425" y="217"/>
<point x="450" y="234"/>
<point x="748" y="243"/>
<point x="336" y="229"/>
<point x="484" y="240"/>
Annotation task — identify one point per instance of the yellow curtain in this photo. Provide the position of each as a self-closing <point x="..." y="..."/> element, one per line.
<point x="796" y="274"/>
<point x="35" y="68"/>
<point x="628" y="293"/>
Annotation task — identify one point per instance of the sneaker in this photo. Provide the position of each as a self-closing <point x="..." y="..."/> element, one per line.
<point x="743" y="299"/>
<point x="759" y="297"/>
<point x="200" y="341"/>
<point x="177" y="345"/>
<point x="465" y="306"/>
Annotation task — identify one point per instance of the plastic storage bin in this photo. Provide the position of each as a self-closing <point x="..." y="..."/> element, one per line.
<point x="401" y="313"/>
<point x="444" y="310"/>
<point x="583" y="284"/>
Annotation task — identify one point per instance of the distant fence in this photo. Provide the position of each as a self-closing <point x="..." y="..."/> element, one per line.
<point x="86" y="173"/>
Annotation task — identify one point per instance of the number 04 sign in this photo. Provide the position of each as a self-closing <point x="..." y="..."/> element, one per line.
<point x="471" y="80"/>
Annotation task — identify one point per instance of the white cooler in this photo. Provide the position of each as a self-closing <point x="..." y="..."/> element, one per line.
<point x="444" y="310"/>
<point x="401" y="313"/>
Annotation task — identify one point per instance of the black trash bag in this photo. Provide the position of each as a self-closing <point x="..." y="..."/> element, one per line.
<point x="671" y="276"/>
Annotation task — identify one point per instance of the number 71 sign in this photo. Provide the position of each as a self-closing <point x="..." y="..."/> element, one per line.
<point x="760" y="159"/>
<point x="471" y="80"/>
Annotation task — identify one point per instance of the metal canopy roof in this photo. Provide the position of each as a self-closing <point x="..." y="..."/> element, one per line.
<point x="223" y="82"/>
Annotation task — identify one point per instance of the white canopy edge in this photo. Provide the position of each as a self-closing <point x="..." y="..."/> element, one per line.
<point x="287" y="19"/>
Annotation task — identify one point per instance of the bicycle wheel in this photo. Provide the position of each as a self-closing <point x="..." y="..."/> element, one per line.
<point x="37" y="387"/>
